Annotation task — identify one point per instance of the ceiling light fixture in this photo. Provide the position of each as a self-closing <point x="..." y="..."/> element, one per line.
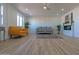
<point x="57" y="14"/>
<point x="26" y="9"/>
<point x="62" y="9"/>
<point x="44" y="7"/>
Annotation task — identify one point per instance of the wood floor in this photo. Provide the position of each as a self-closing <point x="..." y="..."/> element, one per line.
<point x="40" y="46"/>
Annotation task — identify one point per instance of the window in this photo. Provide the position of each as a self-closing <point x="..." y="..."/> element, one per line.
<point x="20" y="20"/>
<point x="1" y="14"/>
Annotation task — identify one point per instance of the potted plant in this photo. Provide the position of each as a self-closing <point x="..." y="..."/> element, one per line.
<point x="26" y="24"/>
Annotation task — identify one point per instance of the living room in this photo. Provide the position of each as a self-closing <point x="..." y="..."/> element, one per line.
<point x="20" y="23"/>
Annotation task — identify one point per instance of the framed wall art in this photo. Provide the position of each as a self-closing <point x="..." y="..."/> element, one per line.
<point x="68" y="21"/>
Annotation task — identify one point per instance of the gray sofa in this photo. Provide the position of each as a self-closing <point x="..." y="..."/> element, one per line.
<point x="44" y="30"/>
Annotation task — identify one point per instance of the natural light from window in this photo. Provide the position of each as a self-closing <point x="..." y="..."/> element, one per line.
<point x="20" y="20"/>
<point x="1" y="14"/>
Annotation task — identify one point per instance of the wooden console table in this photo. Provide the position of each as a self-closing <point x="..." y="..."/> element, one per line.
<point x="3" y="29"/>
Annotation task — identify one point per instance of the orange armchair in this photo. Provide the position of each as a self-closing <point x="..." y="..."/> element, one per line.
<point x="17" y="31"/>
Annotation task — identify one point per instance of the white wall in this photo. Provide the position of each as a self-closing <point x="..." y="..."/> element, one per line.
<point x="75" y="27"/>
<point x="43" y="21"/>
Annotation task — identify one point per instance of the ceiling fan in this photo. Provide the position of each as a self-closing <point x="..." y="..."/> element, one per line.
<point x="45" y="6"/>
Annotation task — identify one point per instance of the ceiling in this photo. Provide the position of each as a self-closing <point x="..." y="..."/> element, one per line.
<point x="36" y="9"/>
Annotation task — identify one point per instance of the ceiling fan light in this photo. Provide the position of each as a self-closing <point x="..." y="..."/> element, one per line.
<point x="44" y="7"/>
<point x="62" y="9"/>
<point x="26" y="9"/>
<point x="57" y="14"/>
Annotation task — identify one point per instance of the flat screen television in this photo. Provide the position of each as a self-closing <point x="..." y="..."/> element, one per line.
<point x="67" y="27"/>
